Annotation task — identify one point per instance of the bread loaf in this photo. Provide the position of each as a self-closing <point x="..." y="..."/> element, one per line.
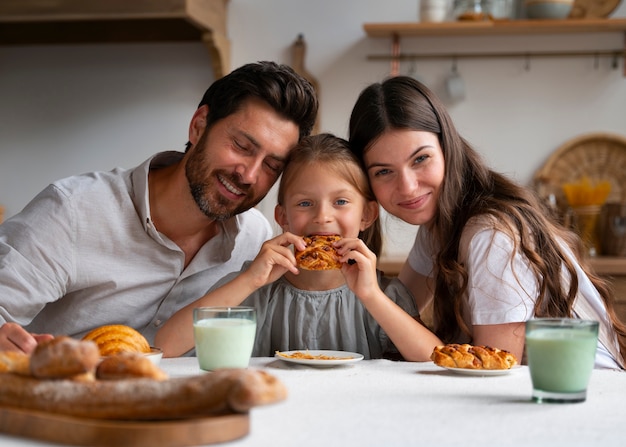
<point x="115" y="338"/>
<point x="472" y="357"/>
<point x="220" y="392"/>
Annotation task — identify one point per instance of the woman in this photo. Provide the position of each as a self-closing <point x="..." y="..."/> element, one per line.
<point x="486" y="250"/>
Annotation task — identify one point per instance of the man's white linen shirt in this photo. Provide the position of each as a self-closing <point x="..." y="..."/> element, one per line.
<point x="85" y="253"/>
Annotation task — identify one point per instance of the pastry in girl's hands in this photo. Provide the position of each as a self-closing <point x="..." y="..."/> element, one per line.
<point x="472" y="357"/>
<point x="319" y="253"/>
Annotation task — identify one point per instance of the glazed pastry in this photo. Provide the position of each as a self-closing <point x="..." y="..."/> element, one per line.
<point x="472" y="357"/>
<point x="115" y="338"/>
<point x="319" y="253"/>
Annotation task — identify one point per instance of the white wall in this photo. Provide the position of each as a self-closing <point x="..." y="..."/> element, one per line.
<point x="515" y="117"/>
<point x="71" y="109"/>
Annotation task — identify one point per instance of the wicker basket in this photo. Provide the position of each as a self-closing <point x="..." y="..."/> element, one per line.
<point x="599" y="156"/>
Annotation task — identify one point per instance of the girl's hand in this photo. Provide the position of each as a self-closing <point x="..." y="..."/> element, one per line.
<point x="274" y="259"/>
<point x="359" y="267"/>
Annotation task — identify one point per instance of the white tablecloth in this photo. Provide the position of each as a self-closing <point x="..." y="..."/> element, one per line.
<point x="384" y="403"/>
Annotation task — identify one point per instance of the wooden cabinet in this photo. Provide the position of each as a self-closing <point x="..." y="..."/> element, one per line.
<point x="614" y="269"/>
<point x="24" y="22"/>
<point x="396" y="31"/>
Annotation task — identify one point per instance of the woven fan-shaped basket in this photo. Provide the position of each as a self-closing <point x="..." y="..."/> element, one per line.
<point x="599" y="156"/>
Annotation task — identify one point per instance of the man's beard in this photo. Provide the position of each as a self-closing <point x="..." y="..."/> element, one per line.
<point x="217" y="207"/>
<point x="210" y="203"/>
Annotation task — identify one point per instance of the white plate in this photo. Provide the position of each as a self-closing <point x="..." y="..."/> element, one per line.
<point x="481" y="372"/>
<point x="345" y="358"/>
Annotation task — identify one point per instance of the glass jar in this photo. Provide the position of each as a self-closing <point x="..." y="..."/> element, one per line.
<point x="472" y="10"/>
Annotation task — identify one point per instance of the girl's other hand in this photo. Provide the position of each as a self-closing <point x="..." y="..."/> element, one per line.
<point x="359" y="266"/>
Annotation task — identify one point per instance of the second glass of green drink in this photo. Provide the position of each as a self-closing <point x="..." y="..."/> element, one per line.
<point x="561" y="356"/>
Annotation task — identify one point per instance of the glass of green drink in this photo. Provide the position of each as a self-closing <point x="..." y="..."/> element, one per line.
<point x="561" y="355"/>
<point x="224" y="336"/>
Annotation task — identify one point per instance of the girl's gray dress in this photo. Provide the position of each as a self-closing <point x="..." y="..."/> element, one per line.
<point x="292" y="319"/>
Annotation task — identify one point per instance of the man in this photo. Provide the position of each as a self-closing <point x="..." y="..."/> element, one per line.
<point x="133" y="246"/>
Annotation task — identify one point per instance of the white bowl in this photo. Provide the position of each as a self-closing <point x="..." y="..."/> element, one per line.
<point x="155" y="355"/>
<point x="548" y="9"/>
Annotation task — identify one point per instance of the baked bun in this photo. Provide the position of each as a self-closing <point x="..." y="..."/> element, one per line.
<point x="128" y="365"/>
<point x="115" y="338"/>
<point x="319" y="253"/>
<point x="64" y="357"/>
<point x="472" y="357"/>
<point x="16" y="362"/>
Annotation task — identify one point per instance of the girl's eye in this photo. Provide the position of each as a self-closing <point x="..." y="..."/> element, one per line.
<point x="304" y="203"/>
<point x="341" y="202"/>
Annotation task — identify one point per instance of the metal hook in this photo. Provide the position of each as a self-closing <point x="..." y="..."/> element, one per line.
<point x="527" y="62"/>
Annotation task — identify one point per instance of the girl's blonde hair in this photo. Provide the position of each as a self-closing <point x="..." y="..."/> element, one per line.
<point x="335" y="154"/>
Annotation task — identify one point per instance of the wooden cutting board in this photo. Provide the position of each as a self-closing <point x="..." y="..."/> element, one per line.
<point x="96" y="432"/>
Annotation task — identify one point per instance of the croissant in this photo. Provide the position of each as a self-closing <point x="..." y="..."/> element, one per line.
<point x="115" y="338"/>
<point x="319" y="253"/>
<point x="472" y="357"/>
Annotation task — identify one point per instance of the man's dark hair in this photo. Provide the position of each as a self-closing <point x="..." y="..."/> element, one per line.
<point x="288" y="93"/>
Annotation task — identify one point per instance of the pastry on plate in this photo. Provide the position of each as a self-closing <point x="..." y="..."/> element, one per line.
<point x="467" y="356"/>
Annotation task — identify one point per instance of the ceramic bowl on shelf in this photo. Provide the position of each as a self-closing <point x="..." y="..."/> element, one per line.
<point x="548" y="9"/>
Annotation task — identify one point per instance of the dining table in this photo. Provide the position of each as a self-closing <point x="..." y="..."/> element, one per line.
<point x="397" y="403"/>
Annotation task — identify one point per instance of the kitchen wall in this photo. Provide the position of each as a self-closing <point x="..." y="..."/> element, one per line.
<point x="71" y="109"/>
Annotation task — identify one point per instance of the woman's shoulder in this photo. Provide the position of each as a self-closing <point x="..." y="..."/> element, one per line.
<point x="483" y="229"/>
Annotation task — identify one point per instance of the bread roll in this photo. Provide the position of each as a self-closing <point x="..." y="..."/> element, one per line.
<point x="15" y="362"/>
<point x="128" y="365"/>
<point x="115" y="338"/>
<point x="63" y="357"/>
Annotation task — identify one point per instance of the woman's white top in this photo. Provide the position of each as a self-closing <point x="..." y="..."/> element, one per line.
<point x="502" y="287"/>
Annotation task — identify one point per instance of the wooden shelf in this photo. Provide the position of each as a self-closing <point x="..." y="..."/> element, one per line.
<point x="495" y="27"/>
<point x="397" y="30"/>
<point x="41" y="22"/>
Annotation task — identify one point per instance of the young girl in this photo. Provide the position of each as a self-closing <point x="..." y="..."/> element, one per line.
<point x="323" y="190"/>
<point x="485" y="251"/>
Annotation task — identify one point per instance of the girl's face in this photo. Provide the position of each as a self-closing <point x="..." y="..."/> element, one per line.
<point x="319" y="201"/>
<point x="406" y="170"/>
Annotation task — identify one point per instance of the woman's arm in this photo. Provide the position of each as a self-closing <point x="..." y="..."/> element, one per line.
<point x="509" y="336"/>
<point x="420" y="286"/>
